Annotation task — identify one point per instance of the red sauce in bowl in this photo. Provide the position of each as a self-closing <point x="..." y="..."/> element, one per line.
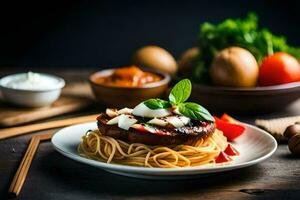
<point x="130" y="76"/>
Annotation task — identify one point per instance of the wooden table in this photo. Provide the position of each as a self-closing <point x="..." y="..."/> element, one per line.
<point x="52" y="176"/>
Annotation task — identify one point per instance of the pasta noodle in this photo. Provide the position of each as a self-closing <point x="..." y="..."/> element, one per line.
<point x="97" y="146"/>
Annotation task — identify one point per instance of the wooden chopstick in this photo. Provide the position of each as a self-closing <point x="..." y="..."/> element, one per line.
<point x="22" y="171"/>
<point x="45" y="136"/>
<point x="15" y="131"/>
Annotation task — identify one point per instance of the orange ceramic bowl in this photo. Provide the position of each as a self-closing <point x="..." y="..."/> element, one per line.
<point x="119" y="97"/>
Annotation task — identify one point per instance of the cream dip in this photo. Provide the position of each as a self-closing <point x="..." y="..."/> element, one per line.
<point x="33" y="81"/>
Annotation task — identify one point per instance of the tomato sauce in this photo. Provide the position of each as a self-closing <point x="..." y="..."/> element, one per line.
<point x="130" y="76"/>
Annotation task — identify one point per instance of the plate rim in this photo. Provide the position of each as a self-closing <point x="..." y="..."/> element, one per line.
<point x="138" y="170"/>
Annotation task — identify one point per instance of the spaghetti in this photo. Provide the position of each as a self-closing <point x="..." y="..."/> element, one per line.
<point x="97" y="146"/>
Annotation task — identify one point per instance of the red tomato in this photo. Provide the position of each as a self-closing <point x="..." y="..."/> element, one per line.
<point x="279" y="68"/>
<point x="231" y="131"/>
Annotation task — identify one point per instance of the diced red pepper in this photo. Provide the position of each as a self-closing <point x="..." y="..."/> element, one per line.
<point x="231" y="131"/>
<point x="227" y="118"/>
<point x="231" y="151"/>
<point x="222" y="157"/>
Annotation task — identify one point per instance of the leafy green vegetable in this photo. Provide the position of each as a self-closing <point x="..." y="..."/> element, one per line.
<point x="244" y="33"/>
<point x="157" y="104"/>
<point x="179" y="94"/>
<point x="181" y="91"/>
<point x="194" y="111"/>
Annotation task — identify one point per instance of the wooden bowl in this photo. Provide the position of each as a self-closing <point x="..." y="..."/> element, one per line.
<point x="119" y="97"/>
<point x="246" y="100"/>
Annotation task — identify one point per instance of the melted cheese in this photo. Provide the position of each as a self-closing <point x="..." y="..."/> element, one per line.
<point x="140" y="127"/>
<point x="112" y="112"/>
<point x="143" y="111"/>
<point x="161" y="117"/>
<point x="176" y="121"/>
<point x="123" y="121"/>
<point x="114" y="120"/>
<point x="157" y="121"/>
<point x="125" y="111"/>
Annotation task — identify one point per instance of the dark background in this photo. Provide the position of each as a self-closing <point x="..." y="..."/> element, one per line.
<point x="106" y="33"/>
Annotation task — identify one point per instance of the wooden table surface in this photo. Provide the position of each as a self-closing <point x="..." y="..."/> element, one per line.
<point x="52" y="176"/>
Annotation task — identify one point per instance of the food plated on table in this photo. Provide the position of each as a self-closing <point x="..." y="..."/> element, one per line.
<point x="144" y="134"/>
<point x="159" y="137"/>
<point x="157" y="133"/>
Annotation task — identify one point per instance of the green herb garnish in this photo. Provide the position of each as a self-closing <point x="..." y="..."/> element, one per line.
<point x="179" y="94"/>
<point x="157" y="104"/>
<point x="194" y="111"/>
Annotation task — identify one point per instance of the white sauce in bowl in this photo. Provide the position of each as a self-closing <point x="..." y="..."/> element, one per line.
<point x="32" y="81"/>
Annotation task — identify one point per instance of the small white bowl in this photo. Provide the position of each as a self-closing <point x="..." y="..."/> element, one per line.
<point x="35" y="97"/>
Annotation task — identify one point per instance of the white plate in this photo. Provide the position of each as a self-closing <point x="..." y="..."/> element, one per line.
<point x="255" y="145"/>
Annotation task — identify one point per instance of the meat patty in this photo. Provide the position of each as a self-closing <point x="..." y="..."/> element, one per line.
<point x="162" y="136"/>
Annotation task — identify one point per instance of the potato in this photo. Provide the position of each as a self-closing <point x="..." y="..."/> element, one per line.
<point x="188" y="61"/>
<point x="155" y="57"/>
<point x="234" y="67"/>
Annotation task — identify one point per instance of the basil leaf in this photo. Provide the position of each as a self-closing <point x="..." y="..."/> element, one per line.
<point x="181" y="91"/>
<point x="194" y="111"/>
<point x="157" y="104"/>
